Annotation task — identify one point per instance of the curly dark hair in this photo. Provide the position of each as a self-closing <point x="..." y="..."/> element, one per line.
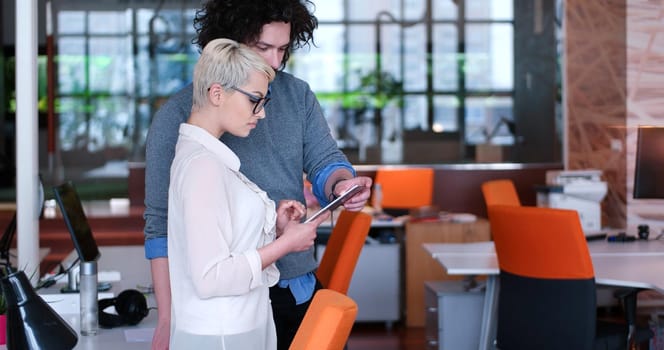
<point x="243" y="21"/>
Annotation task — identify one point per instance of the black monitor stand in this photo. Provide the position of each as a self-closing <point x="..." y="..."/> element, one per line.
<point x="72" y="281"/>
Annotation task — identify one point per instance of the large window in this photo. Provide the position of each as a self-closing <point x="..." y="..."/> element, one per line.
<point x="394" y="73"/>
<point x="453" y="61"/>
<point x="114" y="68"/>
<point x="400" y="81"/>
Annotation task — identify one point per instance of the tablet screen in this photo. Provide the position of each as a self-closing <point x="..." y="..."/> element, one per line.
<point x="337" y="202"/>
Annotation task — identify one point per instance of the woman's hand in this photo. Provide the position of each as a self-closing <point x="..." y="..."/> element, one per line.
<point x="294" y="237"/>
<point x="300" y="236"/>
<point x="289" y="210"/>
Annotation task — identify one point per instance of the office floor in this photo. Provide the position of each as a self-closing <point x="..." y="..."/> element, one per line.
<point x="370" y="336"/>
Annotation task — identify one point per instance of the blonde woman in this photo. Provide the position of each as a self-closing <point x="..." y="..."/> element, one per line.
<point x="224" y="233"/>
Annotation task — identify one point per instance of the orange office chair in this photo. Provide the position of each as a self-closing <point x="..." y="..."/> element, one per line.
<point x="500" y="191"/>
<point x="348" y="236"/>
<point x="547" y="297"/>
<point x="405" y="188"/>
<point x="327" y="323"/>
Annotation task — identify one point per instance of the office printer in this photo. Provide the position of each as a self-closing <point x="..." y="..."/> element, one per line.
<point x="581" y="190"/>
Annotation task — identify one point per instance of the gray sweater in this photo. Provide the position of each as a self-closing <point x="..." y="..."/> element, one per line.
<point x="292" y="139"/>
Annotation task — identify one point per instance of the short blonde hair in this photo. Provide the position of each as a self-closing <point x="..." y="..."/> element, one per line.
<point x="227" y="63"/>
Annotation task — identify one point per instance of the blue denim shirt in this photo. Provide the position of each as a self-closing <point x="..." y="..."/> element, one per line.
<point x="302" y="287"/>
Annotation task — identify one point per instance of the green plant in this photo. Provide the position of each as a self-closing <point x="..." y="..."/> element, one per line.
<point x="380" y="88"/>
<point x="375" y="91"/>
<point x="3" y="303"/>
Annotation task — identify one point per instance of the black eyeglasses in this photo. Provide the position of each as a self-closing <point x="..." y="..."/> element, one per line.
<point x="259" y="102"/>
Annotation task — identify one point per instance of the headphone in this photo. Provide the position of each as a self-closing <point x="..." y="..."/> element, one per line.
<point x="130" y="305"/>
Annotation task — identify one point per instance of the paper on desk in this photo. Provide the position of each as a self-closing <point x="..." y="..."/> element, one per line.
<point x="109" y="276"/>
<point x="139" y="335"/>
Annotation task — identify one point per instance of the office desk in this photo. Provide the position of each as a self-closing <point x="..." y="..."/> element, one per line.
<point x="419" y="265"/>
<point x="638" y="264"/>
<point x="377" y="279"/>
<point x="135" y="271"/>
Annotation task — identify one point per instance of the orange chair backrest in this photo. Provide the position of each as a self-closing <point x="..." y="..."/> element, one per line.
<point x="327" y="323"/>
<point x="405" y="188"/>
<point x="540" y="242"/>
<point x="500" y="191"/>
<point x="348" y="236"/>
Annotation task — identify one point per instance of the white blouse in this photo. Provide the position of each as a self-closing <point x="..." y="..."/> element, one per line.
<point x="217" y="218"/>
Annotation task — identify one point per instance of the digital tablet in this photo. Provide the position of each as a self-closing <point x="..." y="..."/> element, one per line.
<point x="337" y="202"/>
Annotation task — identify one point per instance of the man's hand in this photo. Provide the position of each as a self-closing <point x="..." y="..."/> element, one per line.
<point x="162" y="335"/>
<point x="162" y="293"/>
<point x="359" y="200"/>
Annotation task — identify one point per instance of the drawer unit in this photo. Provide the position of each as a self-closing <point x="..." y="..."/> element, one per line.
<point x="375" y="283"/>
<point x="453" y="316"/>
<point x="420" y="266"/>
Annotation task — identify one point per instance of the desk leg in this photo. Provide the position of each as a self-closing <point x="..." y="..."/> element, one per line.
<point x="488" y="331"/>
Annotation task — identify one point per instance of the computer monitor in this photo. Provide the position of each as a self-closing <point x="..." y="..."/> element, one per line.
<point x="77" y="223"/>
<point x="649" y="164"/>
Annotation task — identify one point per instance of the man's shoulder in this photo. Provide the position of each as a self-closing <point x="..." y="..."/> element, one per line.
<point x="176" y="108"/>
<point x="287" y="81"/>
<point x="182" y="99"/>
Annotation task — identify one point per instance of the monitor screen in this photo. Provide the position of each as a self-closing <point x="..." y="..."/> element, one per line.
<point x="649" y="164"/>
<point x="77" y="223"/>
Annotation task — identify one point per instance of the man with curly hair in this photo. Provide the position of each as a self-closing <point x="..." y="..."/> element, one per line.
<point x="293" y="139"/>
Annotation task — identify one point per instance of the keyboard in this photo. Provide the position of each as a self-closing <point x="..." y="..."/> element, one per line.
<point x="595" y="237"/>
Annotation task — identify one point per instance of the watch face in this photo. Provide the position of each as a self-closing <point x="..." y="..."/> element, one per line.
<point x="77" y="223"/>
